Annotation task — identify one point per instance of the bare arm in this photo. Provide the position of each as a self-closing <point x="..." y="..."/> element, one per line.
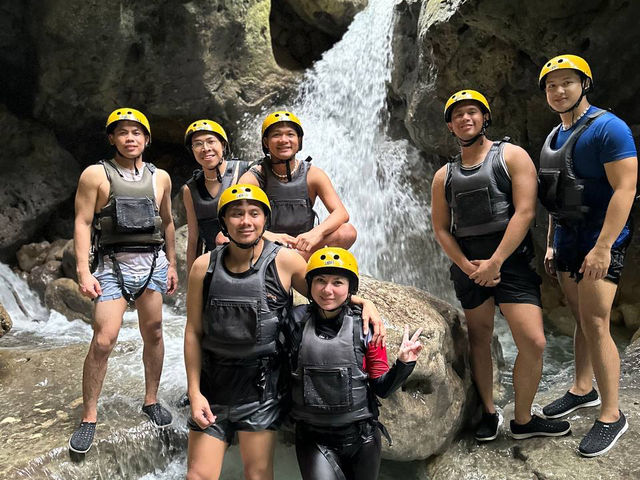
<point x="524" y="185"/>
<point x="622" y="175"/>
<point x="549" y="264"/>
<point x="85" y="204"/>
<point x="169" y="230"/>
<point x="200" y="411"/>
<point x="192" y="227"/>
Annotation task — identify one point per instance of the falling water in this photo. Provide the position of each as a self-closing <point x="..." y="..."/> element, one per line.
<point x="342" y="106"/>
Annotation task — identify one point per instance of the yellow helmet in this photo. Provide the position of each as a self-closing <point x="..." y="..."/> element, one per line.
<point x="128" y="114"/>
<point x="465" y="95"/>
<point x="336" y="260"/>
<point x="279" y="117"/>
<point x="204" y="125"/>
<point x="243" y="191"/>
<point x="573" y="62"/>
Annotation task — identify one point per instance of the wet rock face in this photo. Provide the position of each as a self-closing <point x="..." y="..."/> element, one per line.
<point x="438" y="396"/>
<point x="63" y="295"/>
<point x="173" y="60"/>
<point x="498" y="47"/>
<point x="5" y="321"/>
<point x="37" y="175"/>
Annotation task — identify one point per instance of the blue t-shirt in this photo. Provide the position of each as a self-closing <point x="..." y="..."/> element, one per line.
<point x="606" y="140"/>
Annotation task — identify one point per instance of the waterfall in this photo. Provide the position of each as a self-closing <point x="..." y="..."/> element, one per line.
<point x="342" y="106"/>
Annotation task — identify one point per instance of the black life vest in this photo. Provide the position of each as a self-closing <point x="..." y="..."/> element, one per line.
<point x="206" y="206"/>
<point x="329" y="387"/>
<point x="130" y="221"/>
<point x="291" y="209"/>
<point x="560" y="191"/>
<point x="237" y="321"/>
<point x="480" y="202"/>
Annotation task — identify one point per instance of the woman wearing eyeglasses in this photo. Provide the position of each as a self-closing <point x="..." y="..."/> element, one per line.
<point x="209" y="144"/>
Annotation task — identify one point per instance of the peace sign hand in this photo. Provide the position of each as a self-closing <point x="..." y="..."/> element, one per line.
<point x="410" y="348"/>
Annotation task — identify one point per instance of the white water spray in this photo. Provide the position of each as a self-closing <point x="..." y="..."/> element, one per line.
<point x="342" y="106"/>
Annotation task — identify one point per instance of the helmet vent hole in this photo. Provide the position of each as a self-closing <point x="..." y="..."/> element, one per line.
<point x="235" y="190"/>
<point x="561" y="60"/>
<point x="247" y="189"/>
<point x="323" y="257"/>
<point x="128" y="113"/>
<point x="336" y="257"/>
<point x="277" y="115"/>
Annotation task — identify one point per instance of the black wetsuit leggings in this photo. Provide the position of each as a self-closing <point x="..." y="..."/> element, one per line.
<point x="338" y="458"/>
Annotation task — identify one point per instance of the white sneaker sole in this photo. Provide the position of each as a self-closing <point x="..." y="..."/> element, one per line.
<point x="488" y="439"/>
<point x="610" y="446"/>
<point x="79" y="451"/>
<point x="592" y="403"/>
<point x="522" y="436"/>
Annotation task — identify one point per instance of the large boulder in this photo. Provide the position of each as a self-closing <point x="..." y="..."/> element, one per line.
<point x="439" y="389"/>
<point x="32" y="254"/>
<point x="63" y="295"/>
<point x="41" y="276"/>
<point x="5" y="321"/>
<point x="37" y="176"/>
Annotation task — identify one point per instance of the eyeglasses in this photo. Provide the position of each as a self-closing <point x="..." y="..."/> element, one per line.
<point x="200" y="145"/>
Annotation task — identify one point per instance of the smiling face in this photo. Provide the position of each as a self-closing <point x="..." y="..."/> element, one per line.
<point x="207" y="149"/>
<point x="129" y="138"/>
<point x="563" y="89"/>
<point x="245" y="221"/>
<point x="282" y="140"/>
<point x="329" y="291"/>
<point x="467" y="119"/>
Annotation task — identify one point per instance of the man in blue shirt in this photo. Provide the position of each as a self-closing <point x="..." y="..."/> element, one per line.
<point x="587" y="177"/>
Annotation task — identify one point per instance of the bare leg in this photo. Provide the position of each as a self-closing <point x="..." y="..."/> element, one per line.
<point x="106" y="326"/>
<point x="204" y="457"/>
<point x="596" y="299"/>
<point x="583" y="381"/>
<point x="525" y="322"/>
<point x="256" y="449"/>
<point x="480" y="326"/>
<point x="149" y="306"/>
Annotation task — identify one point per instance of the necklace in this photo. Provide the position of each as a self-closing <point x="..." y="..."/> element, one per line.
<point x="284" y="177"/>
<point x="207" y="179"/>
<point x="567" y="127"/>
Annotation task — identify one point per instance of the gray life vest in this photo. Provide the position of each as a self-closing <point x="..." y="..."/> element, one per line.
<point x="560" y="191"/>
<point x="130" y="221"/>
<point x="237" y="322"/>
<point x="329" y="387"/>
<point x="206" y="206"/>
<point x="480" y="202"/>
<point x="291" y="209"/>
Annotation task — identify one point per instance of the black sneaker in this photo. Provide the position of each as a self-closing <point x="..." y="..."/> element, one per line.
<point x="488" y="427"/>
<point x="82" y="438"/>
<point x="570" y="402"/>
<point x="159" y="416"/>
<point x="602" y="437"/>
<point x="539" y="427"/>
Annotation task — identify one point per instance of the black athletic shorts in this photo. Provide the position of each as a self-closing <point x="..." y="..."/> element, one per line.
<point x="572" y="244"/>
<point x="515" y="287"/>
<point x="250" y="417"/>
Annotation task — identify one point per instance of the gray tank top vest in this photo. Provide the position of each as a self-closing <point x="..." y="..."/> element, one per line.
<point x="291" y="209"/>
<point x="130" y="218"/>
<point x="479" y="198"/>
<point x="560" y="191"/>
<point x="329" y="388"/>
<point x="237" y="321"/>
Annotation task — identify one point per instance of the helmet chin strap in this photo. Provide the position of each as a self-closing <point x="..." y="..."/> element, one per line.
<point x="135" y="167"/>
<point x="468" y="143"/>
<point x="286" y="161"/>
<point x="217" y="169"/>
<point x="575" y="105"/>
